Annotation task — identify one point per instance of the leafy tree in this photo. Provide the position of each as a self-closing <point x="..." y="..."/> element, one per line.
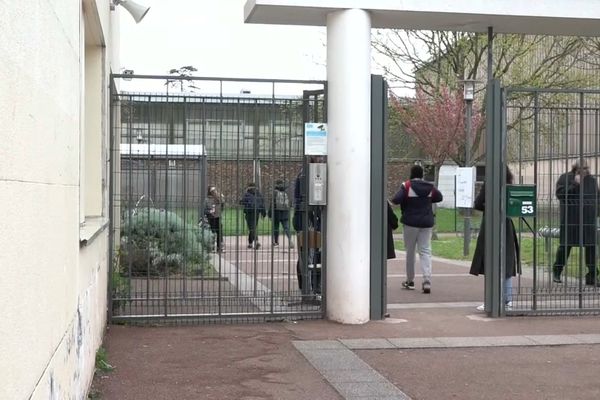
<point x="431" y="60"/>
<point x="180" y="75"/>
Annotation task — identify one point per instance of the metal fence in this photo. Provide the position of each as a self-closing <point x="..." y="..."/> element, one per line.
<point x="173" y="257"/>
<point x="551" y="135"/>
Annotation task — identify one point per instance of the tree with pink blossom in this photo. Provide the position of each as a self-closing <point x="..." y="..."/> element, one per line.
<point x="436" y="124"/>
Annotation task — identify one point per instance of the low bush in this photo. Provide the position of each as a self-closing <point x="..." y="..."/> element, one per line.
<point x="157" y="242"/>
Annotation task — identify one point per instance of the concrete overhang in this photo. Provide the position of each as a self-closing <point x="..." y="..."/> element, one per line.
<point x="547" y="17"/>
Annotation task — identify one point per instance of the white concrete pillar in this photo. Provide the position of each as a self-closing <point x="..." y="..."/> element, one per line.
<point x="349" y="147"/>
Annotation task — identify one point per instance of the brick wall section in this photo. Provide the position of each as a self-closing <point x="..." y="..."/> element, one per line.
<point x="231" y="177"/>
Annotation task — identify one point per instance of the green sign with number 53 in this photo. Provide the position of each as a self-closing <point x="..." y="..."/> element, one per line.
<point x="521" y="200"/>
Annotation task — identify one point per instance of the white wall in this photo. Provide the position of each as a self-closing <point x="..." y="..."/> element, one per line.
<point x="53" y="292"/>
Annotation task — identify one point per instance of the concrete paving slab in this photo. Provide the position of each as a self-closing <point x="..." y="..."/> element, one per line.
<point x="553" y="340"/>
<point x="318" y="345"/>
<point x="415" y="343"/>
<point x="461" y="341"/>
<point x="360" y="375"/>
<point x="355" y="344"/>
<point x="499" y="341"/>
<point x="362" y="389"/>
<point x="328" y="360"/>
<point x="588" y="338"/>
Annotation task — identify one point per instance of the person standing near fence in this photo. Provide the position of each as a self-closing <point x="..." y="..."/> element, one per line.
<point x="308" y="271"/>
<point x="253" y="205"/>
<point x="213" y="209"/>
<point x="280" y="213"/>
<point x="513" y="254"/>
<point x="415" y="198"/>
<point x="577" y="191"/>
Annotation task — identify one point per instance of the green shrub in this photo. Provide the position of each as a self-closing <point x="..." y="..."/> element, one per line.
<point x="156" y="242"/>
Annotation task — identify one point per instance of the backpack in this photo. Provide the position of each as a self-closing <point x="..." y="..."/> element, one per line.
<point x="282" y="202"/>
<point x="406" y="185"/>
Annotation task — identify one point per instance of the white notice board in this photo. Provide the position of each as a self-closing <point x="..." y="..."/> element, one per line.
<point x="315" y="139"/>
<point x="465" y="187"/>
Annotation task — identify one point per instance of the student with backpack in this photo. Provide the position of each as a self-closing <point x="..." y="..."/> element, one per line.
<point x="415" y="198"/>
<point x="280" y="213"/>
<point x="253" y="205"/>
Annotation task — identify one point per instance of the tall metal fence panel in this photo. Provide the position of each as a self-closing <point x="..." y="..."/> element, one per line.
<point x="203" y="194"/>
<point x="553" y="143"/>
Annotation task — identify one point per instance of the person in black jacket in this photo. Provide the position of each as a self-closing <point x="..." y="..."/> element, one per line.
<point x="577" y="191"/>
<point x="253" y="204"/>
<point x="513" y="259"/>
<point x="415" y="198"/>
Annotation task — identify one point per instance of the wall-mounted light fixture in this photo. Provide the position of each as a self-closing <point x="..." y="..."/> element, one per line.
<point x="137" y="11"/>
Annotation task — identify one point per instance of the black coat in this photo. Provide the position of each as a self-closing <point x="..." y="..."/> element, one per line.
<point x="513" y="254"/>
<point x="253" y="203"/>
<point x="415" y="198"/>
<point x="392" y="222"/>
<point x="571" y="200"/>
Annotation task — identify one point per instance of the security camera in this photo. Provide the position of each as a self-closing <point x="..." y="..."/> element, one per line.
<point x="137" y="11"/>
<point x="127" y="72"/>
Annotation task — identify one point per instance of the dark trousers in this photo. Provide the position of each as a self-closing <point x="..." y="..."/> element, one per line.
<point x="216" y="228"/>
<point x="284" y="220"/>
<point x="310" y="276"/>
<point x="251" y="221"/>
<point x="562" y="255"/>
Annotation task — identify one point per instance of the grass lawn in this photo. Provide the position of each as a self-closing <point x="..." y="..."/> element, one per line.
<point x="447" y="220"/>
<point x="446" y="247"/>
<point x="451" y="247"/>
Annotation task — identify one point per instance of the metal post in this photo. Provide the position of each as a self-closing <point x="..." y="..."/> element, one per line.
<point x="467" y="221"/>
<point x="378" y="226"/>
<point x="495" y="215"/>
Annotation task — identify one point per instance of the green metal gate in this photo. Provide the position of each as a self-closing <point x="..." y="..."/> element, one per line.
<point x="550" y="139"/>
<point x="190" y="237"/>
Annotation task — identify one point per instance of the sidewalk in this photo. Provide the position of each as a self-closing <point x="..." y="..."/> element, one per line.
<point x="433" y="346"/>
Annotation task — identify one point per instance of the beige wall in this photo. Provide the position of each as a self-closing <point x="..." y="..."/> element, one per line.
<point x="52" y="290"/>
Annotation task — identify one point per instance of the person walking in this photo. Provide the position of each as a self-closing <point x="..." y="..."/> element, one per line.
<point x="415" y="198"/>
<point x="253" y="205"/>
<point x="513" y="258"/>
<point x="578" y="195"/>
<point x="281" y="213"/>
<point x="213" y="209"/>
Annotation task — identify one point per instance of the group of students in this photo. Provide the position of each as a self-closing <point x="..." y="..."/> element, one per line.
<point x="253" y="206"/>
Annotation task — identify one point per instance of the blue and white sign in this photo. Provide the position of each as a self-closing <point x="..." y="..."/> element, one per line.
<point x="315" y="139"/>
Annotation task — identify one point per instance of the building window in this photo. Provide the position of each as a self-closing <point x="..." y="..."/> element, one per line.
<point x="93" y="138"/>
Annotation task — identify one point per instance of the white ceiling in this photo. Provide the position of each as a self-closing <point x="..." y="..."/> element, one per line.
<point x="550" y="17"/>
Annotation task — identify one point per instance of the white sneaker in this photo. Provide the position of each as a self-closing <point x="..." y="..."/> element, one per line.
<point x="481" y="307"/>
<point x="508" y="305"/>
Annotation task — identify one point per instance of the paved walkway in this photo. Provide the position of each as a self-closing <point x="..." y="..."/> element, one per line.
<point x="435" y="346"/>
<point x="355" y="379"/>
